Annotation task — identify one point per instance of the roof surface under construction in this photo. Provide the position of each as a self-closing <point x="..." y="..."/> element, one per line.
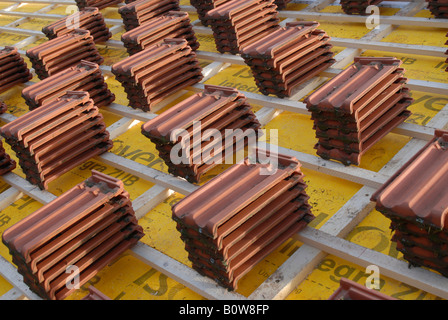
<point x="172" y="260"/>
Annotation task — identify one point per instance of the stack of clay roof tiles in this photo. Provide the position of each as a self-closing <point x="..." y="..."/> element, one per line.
<point x="100" y="4"/>
<point x="7" y="164"/>
<point x="222" y="109"/>
<point x="3" y="107"/>
<point x="416" y="202"/>
<point x="351" y="290"/>
<point x="63" y="52"/>
<point x="175" y="24"/>
<point x="89" y="19"/>
<point x="151" y="75"/>
<point x="239" y="217"/>
<point x="86" y="76"/>
<point x="95" y="295"/>
<point x="56" y="137"/>
<point x="446" y="43"/>
<point x="358" y="6"/>
<point x="239" y="23"/>
<point x="281" y="4"/>
<point x="359" y="107"/>
<point x="139" y="12"/>
<point x="75" y="235"/>
<point x="439" y="8"/>
<point x="204" y="6"/>
<point x="13" y="69"/>
<point x="288" y="57"/>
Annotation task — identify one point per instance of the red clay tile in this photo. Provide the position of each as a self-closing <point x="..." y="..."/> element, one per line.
<point x="89" y="18"/>
<point x="100" y="4"/>
<point x="446" y="43"/>
<point x="95" y="294"/>
<point x="175" y="24"/>
<point x="358" y="6"/>
<point x="413" y="200"/>
<point x="138" y="12"/>
<point x="352" y="84"/>
<point x="358" y="107"/>
<point x="63" y="52"/>
<point x="252" y="251"/>
<point x="203" y="6"/>
<point x="225" y="242"/>
<point x="222" y="109"/>
<point x="418" y="229"/>
<point x="357" y="140"/>
<point x="431" y="247"/>
<point x="287" y="57"/>
<point x="351" y="290"/>
<point x="158" y="71"/>
<point x="282" y="4"/>
<point x="195" y="212"/>
<point x="85" y="76"/>
<point x="238" y="23"/>
<point x="13" y="69"/>
<point x="88" y="226"/>
<point x="420" y="198"/>
<point x="439" y="8"/>
<point x="7" y="164"/>
<point x="74" y="237"/>
<point x="281" y="44"/>
<point x="3" y="107"/>
<point x="256" y="215"/>
<point x="353" y="154"/>
<point x="58" y="136"/>
<point x="418" y="256"/>
<point x="88" y="195"/>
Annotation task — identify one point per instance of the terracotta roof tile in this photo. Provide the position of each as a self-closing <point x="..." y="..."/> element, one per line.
<point x="222" y="109"/>
<point x="282" y="4"/>
<point x="88" y="18"/>
<point x="418" y="229"/>
<point x="427" y="171"/>
<point x="63" y="52"/>
<point x="234" y="220"/>
<point x="358" y="6"/>
<point x="203" y="6"/>
<point x="87" y="227"/>
<point x="7" y="164"/>
<point x="418" y="256"/>
<point x="138" y="12"/>
<point x="58" y="136"/>
<point x="413" y="200"/>
<point x="175" y="24"/>
<point x="351" y="290"/>
<point x="288" y="57"/>
<point x="238" y="23"/>
<point x="85" y="76"/>
<point x="13" y="68"/>
<point x="158" y="71"/>
<point x="358" y="107"/>
<point x="3" y="107"/>
<point x="438" y="8"/>
<point x="95" y="294"/>
<point x="227" y="272"/>
<point x="100" y="4"/>
<point x="446" y="43"/>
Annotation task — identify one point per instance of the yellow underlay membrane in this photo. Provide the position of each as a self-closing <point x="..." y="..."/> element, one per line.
<point x="129" y="278"/>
